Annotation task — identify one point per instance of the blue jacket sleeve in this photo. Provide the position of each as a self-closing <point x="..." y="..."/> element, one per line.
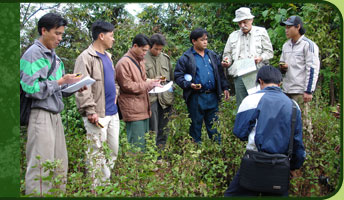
<point x="179" y="73"/>
<point x="299" y="153"/>
<point x="244" y="122"/>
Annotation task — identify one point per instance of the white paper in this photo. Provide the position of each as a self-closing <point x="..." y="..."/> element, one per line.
<point x="162" y="89"/>
<point x="249" y="81"/>
<point x="76" y="86"/>
<point x="243" y="66"/>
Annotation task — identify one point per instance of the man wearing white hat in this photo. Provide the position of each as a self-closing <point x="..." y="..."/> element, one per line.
<point x="249" y="42"/>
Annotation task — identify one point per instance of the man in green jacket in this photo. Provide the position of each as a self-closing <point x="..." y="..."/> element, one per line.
<point x="158" y="65"/>
<point x="45" y="135"/>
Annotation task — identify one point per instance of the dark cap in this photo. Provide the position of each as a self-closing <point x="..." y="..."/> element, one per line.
<point x="292" y="21"/>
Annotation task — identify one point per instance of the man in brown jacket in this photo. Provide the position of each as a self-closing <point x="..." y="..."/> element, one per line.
<point x="98" y="104"/>
<point x="134" y="87"/>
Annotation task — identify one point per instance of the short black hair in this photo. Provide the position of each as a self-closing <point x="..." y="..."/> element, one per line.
<point x="197" y="33"/>
<point x="141" y="40"/>
<point x="99" y="27"/>
<point x="49" y="21"/>
<point x="302" y="29"/>
<point x="158" y="39"/>
<point x="269" y="74"/>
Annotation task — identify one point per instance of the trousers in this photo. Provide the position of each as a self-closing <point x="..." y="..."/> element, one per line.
<point x="136" y="132"/>
<point x="158" y="122"/>
<point x="99" y="168"/>
<point x="203" y="107"/>
<point x="306" y="118"/>
<point x="45" y="139"/>
<point x="240" y="90"/>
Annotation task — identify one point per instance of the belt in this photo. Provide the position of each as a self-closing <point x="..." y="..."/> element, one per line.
<point x="207" y="91"/>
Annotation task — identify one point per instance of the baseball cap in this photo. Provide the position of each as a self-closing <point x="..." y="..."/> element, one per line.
<point x="292" y="21"/>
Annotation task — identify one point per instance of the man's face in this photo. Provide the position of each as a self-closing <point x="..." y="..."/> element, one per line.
<point x="201" y="43"/>
<point x="140" y="51"/>
<point x="245" y="25"/>
<point x="52" y="38"/>
<point x="292" y="31"/>
<point x="156" y="49"/>
<point x="107" y="39"/>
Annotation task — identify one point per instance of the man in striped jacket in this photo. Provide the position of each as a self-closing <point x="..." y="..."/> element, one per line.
<point x="45" y="131"/>
<point x="300" y="64"/>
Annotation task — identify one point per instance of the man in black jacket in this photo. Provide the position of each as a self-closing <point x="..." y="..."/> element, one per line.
<point x="199" y="73"/>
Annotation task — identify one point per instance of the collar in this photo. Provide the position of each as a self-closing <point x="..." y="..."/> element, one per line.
<point x="298" y="41"/>
<point x="195" y="52"/>
<point x="132" y="54"/>
<point x="44" y="48"/>
<point x="154" y="57"/>
<point x="272" y="88"/>
<point x="93" y="52"/>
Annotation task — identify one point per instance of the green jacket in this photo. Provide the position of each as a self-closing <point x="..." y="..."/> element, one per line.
<point x="34" y="66"/>
<point x="157" y="66"/>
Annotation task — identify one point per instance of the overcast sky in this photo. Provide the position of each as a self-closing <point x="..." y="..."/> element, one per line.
<point x="132" y="8"/>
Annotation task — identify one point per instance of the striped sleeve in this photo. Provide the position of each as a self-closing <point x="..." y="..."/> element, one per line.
<point x="247" y="115"/>
<point x="33" y="75"/>
<point x="312" y="65"/>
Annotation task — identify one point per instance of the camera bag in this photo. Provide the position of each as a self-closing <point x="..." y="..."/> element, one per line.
<point x="265" y="172"/>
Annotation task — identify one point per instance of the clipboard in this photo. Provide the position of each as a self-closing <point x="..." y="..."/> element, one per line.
<point x="76" y="86"/>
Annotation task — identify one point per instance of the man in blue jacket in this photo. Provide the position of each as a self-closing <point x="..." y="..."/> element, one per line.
<point x="264" y="120"/>
<point x="203" y="92"/>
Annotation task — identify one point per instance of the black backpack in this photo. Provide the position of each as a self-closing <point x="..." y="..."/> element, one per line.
<point x="25" y="102"/>
<point x="25" y="108"/>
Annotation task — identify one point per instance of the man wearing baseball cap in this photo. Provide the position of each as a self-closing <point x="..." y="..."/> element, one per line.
<point x="300" y="64"/>
<point x="249" y="42"/>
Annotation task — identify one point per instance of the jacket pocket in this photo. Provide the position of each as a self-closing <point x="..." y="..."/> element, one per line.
<point x="165" y="71"/>
<point x="167" y="98"/>
<point x="258" y="44"/>
<point x="150" y="70"/>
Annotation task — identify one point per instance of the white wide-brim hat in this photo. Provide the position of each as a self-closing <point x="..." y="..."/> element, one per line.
<point x="242" y="14"/>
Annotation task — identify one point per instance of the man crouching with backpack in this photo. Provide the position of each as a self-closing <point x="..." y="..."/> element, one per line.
<point x="264" y="119"/>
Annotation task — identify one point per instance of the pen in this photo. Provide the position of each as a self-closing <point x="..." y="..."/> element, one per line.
<point x="78" y="74"/>
<point x="99" y="125"/>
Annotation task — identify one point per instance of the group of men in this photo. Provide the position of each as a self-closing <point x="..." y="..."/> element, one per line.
<point x="125" y="88"/>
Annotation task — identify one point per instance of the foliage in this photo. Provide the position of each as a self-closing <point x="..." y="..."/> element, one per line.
<point x="189" y="169"/>
<point x="192" y="170"/>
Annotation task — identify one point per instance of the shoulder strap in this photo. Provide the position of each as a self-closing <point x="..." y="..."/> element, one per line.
<point x="293" y="121"/>
<point x="53" y="65"/>
<point x="137" y="65"/>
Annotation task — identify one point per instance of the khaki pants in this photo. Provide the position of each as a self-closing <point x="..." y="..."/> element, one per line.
<point x="100" y="169"/>
<point x="45" y="139"/>
<point x="306" y="119"/>
<point x="240" y="90"/>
